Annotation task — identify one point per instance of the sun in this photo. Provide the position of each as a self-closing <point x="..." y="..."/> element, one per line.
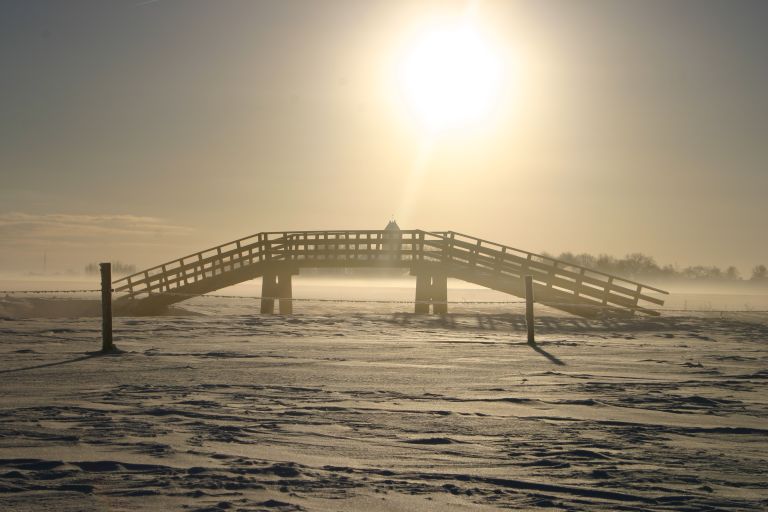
<point x="451" y="77"/>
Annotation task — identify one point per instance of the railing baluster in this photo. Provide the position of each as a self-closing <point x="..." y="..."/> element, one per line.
<point x="607" y="290"/>
<point x="579" y="282"/>
<point x="552" y="272"/>
<point x="500" y="260"/>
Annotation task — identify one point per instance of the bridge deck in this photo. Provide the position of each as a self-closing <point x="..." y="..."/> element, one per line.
<point x="559" y="284"/>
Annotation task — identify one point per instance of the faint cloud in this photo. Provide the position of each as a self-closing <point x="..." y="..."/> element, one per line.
<point x="68" y="229"/>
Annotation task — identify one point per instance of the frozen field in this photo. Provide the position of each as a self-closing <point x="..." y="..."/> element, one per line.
<point x="368" y="407"/>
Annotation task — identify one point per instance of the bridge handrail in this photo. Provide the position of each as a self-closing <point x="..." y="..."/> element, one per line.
<point x="565" y="277"/>
<point x="194" y="254"/>
<point x="260" y="238"/>
<point x="561" y="262"/>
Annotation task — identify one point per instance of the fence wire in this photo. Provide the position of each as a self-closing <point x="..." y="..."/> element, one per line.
<point x="398" y="301"/>
<point x="12" y="292"/>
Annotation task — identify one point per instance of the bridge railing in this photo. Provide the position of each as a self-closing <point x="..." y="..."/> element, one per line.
<point x="363" y="247"/>
<point x="347" y="246"/>
<point x="318" y="247"/>
<point x="194" y="267"/>
<point x="583" y="283"/>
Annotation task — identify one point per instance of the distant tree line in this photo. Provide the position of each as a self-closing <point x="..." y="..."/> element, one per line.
<point x="638" y="265"/>
<point x="118" y="268"/>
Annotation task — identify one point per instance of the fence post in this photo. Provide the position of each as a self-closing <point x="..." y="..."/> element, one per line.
<point x="106" y="307"/>
<point x="529" y="307"/>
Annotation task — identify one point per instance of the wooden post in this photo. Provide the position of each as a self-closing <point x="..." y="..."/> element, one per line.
<point x="106" y="307"/>
<point x="268" y="293"/>
<point x="439" y="294"/>
<point x="529" y="307"/>
<point x="423" y="293"/>
<point x="285" y="293"/>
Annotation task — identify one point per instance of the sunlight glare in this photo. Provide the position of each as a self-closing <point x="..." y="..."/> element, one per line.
<point x="451" y="77"/>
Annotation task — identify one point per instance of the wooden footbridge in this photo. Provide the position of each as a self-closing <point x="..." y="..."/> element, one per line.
<point x="432" y="257"/>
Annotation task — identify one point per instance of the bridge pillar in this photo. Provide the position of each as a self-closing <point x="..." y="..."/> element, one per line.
<point x="268" y="293"/>
<point x="285" y="293"/>
<point x="423" y="289"/>
<point x="431" y="289"/>
<point x="440" y="294"/>
<point x="277" y="285"/>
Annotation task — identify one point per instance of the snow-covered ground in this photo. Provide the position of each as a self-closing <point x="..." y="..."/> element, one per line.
<point x="365" y="406"/>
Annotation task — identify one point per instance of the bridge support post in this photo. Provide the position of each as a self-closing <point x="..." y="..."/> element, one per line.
<point x="423" y="293"/>
<point x="285" y="293"/>
<point x="440" y="294"/>
<point x="431" y="290"/>
<point x="277" y="284"/>
<point x="268" y="293"/>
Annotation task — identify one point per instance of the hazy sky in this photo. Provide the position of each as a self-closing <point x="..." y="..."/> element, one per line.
<point x="141" y="131"/>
